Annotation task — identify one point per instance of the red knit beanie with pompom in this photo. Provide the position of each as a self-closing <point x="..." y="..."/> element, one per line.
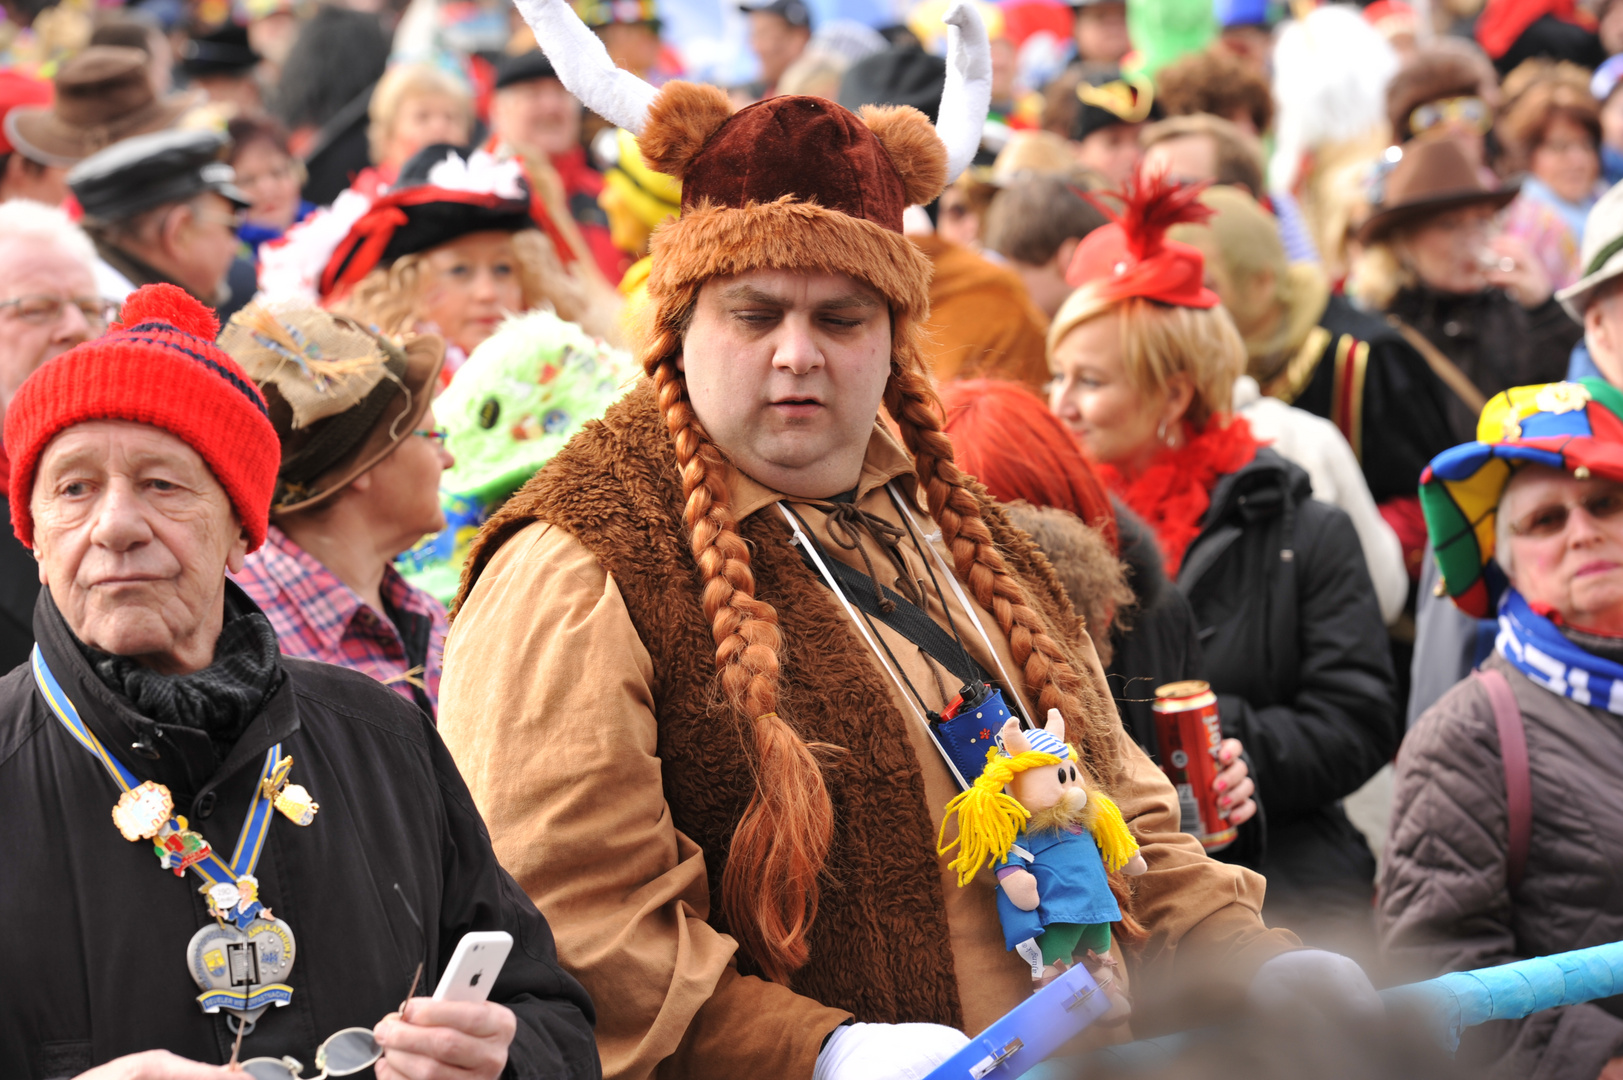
<point x="158" y="366"/>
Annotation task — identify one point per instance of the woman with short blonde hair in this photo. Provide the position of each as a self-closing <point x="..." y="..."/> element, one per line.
<point x="415" y="106"/>
<point x="1165" y="348"/>
<point x="1145" y="359"/>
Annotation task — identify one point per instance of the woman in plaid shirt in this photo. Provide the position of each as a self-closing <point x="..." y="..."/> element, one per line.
<point x="358" y="484"/>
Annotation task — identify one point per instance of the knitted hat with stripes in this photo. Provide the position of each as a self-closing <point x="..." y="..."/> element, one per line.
<point x="158" y="366"/>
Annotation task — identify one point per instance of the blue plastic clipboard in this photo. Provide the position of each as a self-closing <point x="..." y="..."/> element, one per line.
<point x="1030" y="1032"/>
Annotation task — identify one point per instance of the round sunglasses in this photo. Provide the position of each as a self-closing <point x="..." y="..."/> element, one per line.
<point x="342" y="1054"/>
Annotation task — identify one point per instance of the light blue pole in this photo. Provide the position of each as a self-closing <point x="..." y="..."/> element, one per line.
<point x="1453" y="1003"/>
<point x="1464" y="999"/>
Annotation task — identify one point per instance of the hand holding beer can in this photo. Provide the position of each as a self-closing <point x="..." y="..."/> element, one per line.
<point x="1189" y="733"/>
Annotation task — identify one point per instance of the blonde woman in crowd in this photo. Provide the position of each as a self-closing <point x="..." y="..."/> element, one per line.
<point x="414" y="106"/>
<point x="1476" y="299"/>
<point x="1144" y="360"/>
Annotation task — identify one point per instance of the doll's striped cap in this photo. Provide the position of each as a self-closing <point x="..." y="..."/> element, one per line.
<point x="1044" y="743"/>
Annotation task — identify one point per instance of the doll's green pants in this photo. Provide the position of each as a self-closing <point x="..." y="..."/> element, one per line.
<point x="1061" y="941"/>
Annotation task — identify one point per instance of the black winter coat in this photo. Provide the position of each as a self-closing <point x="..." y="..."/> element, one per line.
<point x="95" y="933"/>
<point x="19" y="589"/>
<point x="1379" y="392"/>
<point x="1495" y="341"/>
<point x="1293" y="644"/>
<point x="1154" y="643"/>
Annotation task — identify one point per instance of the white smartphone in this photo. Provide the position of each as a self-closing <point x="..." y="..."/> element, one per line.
<point x="474" y="965"/>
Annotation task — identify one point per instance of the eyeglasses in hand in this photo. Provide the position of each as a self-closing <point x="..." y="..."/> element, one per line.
<point x="343" y="1053"/>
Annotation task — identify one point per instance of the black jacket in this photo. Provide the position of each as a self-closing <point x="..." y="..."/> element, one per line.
<point x="1380" y="393"/>
<point x="19" y="588"/>
<point x="1152" y="643"/>
<point x="94" y="957"/>
<point x="1293" y="644"/>
<point x="1495" y="341"/>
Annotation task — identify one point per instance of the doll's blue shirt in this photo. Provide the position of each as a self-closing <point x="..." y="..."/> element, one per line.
<point x="1071" y="885"/>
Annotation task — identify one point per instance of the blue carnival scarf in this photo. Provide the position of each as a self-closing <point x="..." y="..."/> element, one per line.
<point x="1537" y="648"/>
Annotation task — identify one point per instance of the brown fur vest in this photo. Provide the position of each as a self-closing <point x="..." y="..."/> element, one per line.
<point x="879" y="947"/>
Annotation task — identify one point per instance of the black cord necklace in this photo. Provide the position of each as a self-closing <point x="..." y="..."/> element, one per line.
<point x="888" y="605"/>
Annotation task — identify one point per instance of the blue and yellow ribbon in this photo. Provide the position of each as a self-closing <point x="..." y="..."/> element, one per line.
<point x="212" y="868"/>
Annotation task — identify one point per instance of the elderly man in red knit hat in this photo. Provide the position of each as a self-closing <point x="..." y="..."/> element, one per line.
<point x="289" y="842"/>
<point x="702" y="680"/>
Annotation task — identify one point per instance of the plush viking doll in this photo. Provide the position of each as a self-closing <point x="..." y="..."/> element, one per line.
<point x="1054" y="898"/>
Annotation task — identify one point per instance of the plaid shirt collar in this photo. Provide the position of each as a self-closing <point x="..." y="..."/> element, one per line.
<point x="298" y="573"/>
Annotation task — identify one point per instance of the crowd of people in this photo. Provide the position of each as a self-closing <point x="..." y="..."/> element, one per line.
<point x="566" y="468"/>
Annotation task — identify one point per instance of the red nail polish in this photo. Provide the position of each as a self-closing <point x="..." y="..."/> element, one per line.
<point x="1220" y="785"/>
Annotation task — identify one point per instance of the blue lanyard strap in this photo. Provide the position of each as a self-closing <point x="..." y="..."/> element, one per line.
<point x="212" y="868"/>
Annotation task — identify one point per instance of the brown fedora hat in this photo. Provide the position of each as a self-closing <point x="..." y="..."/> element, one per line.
<point x="102" y="95"/>
<point x="1433" y="175"/>
<point x="341" y="397"/>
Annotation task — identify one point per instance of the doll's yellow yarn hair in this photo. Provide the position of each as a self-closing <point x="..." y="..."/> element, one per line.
<point x="1116" y="844"/>
<point x="988" y="817"/>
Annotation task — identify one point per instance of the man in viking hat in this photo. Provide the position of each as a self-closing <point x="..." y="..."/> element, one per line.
<point x="699" y="658"/>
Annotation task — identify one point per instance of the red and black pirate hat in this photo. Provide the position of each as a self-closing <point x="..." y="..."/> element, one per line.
<point x="439" y="197"/>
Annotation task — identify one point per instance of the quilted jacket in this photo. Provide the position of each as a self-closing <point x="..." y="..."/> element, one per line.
<point x="1444" y="901"/>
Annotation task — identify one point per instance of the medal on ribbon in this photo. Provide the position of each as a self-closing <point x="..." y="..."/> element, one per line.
<point x="290" y="800"/>
<point x="241" y="961"/>
<point x="143" y="810"/>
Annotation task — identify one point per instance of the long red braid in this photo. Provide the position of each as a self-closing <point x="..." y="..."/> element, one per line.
<point x="770" y="884"/>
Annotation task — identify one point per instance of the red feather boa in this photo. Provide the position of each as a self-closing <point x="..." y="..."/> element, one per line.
<point x="1172" y="494"/>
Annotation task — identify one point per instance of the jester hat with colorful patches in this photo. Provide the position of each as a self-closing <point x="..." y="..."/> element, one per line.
<point x="1573" y="426"/>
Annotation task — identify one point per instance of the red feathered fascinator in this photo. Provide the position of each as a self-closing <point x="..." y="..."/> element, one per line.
<point x="1132" y="255"/>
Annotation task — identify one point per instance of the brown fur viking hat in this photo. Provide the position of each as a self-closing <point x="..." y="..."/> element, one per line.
<point x="795" y="183"/>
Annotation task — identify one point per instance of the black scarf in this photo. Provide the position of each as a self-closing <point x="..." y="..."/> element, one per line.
<point x="220" y="700"/>
<point x="1604" y="646"/>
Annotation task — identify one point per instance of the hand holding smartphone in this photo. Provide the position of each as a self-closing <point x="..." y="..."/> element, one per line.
<point x="474" y="966"/>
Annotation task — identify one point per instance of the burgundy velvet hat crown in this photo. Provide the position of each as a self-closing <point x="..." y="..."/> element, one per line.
<point x="752" y="198"/>
<point x="773" y="140"/>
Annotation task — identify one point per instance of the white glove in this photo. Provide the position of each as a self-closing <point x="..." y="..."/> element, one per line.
<point x="886" y="1051"/>
<point x="1328" y="980"/>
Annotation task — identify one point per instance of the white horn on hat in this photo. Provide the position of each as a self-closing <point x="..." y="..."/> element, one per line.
<point x="584" y="67"/>
<point x="968" y="91"/>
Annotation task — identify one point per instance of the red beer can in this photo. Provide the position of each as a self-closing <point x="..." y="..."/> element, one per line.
<point x="1189" y="732"/>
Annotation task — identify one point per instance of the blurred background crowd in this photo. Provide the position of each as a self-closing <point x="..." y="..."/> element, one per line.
<point x="1407" y="218"/>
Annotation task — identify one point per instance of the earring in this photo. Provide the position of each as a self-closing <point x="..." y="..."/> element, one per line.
<point x="1161" y="432"/>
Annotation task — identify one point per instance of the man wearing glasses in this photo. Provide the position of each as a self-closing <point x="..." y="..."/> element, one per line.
<point x="163" y="208"/>
<point x="48" y="304"/>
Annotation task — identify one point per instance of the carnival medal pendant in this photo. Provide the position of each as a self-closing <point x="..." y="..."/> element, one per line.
<point x="292" y="801"/>
<point x="179" y="848"/>
<point x="142" y="811"/>
<point x="241" y="963"/>
<point x="296" y="805"/>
